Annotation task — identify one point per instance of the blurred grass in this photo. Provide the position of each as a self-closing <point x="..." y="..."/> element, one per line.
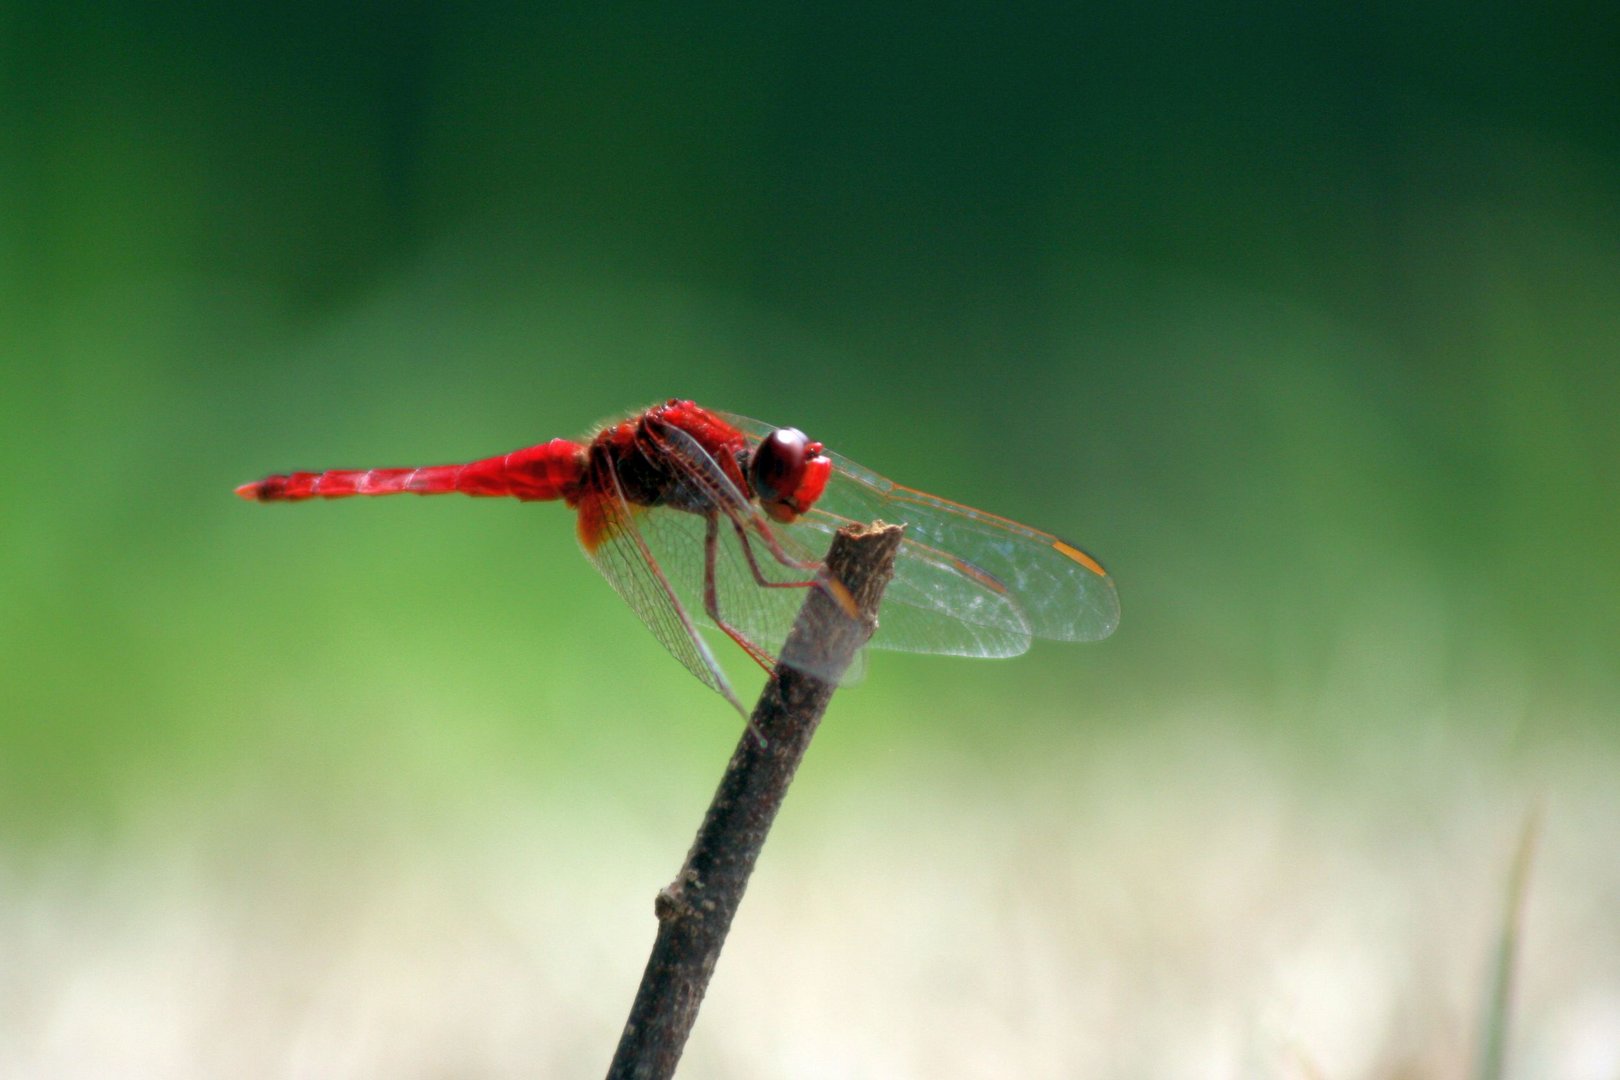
<point x="1496" y="1017"/>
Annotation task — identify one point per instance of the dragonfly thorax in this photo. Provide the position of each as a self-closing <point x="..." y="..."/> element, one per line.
<point x="676" y="455"/>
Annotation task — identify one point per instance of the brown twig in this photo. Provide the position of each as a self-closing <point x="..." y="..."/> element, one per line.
<point x="695" y="911"/>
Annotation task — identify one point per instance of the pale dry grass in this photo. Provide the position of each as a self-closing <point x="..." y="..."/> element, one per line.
<point x="1180" y="904"/>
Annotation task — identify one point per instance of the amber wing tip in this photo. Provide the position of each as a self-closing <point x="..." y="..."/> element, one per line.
<point x="1072" y="552"/>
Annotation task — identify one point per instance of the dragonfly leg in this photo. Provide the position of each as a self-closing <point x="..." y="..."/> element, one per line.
<point x="711" y="605"/>
<point x="833" y="587"/>
<point x="711" y="596"/>
<point x="774" y="546"/>
<point x="759" y="575"/>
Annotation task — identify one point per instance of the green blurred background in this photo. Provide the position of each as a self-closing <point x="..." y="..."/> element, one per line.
<point x="1303" y="320"/>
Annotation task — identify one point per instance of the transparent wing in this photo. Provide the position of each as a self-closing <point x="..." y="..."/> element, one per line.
<point x="929" y="606"/>
<point x="611" y="534"/>
<point x="967" y="582"/>
<point x="762" y="614"/>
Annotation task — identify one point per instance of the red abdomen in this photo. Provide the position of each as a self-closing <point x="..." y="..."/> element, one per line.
<point x="551" y="470"/>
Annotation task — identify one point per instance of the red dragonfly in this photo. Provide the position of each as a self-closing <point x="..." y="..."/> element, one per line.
<point x="698" y="517"/>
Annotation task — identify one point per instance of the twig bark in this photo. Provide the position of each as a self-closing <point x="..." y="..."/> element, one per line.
<point x="696" y="909"/>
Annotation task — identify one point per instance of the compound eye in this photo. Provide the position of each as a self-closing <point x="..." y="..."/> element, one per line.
<point x="778" y="465"/>
<point x="788" y="473"/>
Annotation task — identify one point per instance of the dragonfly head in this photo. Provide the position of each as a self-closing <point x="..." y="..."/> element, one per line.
<point x="788" y="473"/>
